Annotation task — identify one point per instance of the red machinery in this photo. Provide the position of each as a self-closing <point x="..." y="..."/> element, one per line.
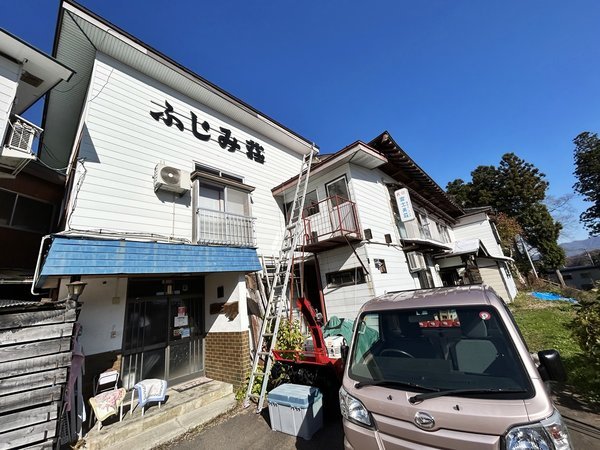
<point x="318" y="357"/>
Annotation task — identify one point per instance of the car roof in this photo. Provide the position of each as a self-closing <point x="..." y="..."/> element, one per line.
<point x="436" y="297"/>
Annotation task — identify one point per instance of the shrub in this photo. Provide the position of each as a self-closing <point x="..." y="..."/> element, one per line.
<point x="586" y="329"/>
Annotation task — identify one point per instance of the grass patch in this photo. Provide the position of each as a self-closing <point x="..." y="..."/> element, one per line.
<point x="547" y="325"/>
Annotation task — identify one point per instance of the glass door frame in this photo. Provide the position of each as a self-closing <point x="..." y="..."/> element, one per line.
<point x="134" y="352"/>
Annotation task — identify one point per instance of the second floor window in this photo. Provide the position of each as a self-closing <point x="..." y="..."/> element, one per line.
<point x="443" y="232"/>
<point x="423" y="222"/>
<point x="337" y="191"/>
<point x="223" y="198"/>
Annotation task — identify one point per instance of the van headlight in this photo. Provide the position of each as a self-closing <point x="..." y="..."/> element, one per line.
<point x="548" y="434"/>
<point x="353" y="410"/>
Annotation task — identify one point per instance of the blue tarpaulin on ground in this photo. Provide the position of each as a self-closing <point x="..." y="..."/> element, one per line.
<point x="551" y="296"/>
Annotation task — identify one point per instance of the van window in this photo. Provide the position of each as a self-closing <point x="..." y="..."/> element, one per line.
<point x="439" y="349"/>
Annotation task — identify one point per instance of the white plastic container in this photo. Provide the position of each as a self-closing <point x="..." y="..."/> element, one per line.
<point x="296" y="410"/>
<point x="334" y="346"/>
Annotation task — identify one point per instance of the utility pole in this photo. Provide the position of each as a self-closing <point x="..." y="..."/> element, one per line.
<point x="528" y="256"/>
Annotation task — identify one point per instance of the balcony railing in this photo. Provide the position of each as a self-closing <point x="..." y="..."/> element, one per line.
<point x="220" y="228"/>
<point x="330" y="220"/>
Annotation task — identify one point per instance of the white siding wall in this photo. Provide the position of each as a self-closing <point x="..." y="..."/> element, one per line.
<point x="234" y="289"/>
<point x="103" y="313"/>
<point x="343" y="301"/>
<point x="478" y="227"/>
<point x="373" y="203"/>
<point x="398" y="276"/>
<point x="9" y="80"/>
<point x="492" y="276"/>
<point x="122" y="144"/>
<point x="375" y="213"/>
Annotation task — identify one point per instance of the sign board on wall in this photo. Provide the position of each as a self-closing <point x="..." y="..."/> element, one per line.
<point x="405" y="208"/>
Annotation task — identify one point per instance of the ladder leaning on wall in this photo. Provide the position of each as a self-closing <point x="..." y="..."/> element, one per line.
<point x="278" y="293"/>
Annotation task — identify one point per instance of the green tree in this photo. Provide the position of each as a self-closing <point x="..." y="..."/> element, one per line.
<point x="508" y="229"/>
<point x="459" y="192"/>
<point x="587" y="171"/>
<point x="516" y="188"/>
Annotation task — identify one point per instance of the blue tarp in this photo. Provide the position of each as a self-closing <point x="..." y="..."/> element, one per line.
<point x="551" y="296"/>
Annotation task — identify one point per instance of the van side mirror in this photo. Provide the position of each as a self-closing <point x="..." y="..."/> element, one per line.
<point x="551" y="366"/>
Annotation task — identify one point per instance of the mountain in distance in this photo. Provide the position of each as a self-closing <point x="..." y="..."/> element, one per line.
<point x="577" y="247"/>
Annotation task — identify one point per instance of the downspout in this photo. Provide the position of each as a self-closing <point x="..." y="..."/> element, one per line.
<point x="38" y="264"/>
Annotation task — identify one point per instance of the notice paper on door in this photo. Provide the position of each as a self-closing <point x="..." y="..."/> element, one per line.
<point x="180" y="321"/>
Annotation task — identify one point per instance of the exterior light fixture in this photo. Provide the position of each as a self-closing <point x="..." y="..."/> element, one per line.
<point x="75" y="289"/>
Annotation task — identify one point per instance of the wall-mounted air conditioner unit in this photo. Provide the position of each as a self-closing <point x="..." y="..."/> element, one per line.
<point x="167" y="178"/>
<point x="416" y="261"/>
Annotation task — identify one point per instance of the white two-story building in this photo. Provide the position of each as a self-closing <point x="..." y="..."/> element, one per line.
<point x="168" y="205"/>
<point x="375" y="222"/>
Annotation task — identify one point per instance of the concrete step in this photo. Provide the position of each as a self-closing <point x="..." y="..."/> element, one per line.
<point x="182" y="412"/>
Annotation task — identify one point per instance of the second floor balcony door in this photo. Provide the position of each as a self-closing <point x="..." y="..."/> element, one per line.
<point x="342" y="212"/>
<point x="223" y="216"/>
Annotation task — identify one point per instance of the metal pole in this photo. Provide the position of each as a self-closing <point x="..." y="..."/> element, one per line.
<point x="528" y="256"/>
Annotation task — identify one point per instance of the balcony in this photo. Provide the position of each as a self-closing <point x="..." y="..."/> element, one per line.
<point x="330" y="223"/>
<point x="417" y="235"/>
<point x="17" y="151"/>
<point x="220" y="228"/>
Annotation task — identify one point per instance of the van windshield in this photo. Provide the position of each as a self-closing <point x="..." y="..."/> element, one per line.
<point x="462" y="348"/>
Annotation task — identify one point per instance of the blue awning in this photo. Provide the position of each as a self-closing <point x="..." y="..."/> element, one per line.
<point x="87" y="256"/>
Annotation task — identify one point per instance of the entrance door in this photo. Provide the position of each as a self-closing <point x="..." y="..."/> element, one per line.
<point x="163" y="329"/>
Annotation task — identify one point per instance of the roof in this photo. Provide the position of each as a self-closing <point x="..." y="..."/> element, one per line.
<point x="404" y="169"/>
<point x="357" y="153"/>
<point x="40" y="73"/>
<point x="433" y="298"/>
<point x="471" y="247"/>
<point x="81" y="33"/>
<point x="89" y="256"/>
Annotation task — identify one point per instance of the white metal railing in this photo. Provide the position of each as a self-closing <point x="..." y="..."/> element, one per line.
<point x="220" y="228"/>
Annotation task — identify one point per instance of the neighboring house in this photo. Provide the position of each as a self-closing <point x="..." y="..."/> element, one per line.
<point x="579" y="277"/>
<point x="30" y="192"/>
<point x="168" y="205"/>
<point x="359" y="243"/>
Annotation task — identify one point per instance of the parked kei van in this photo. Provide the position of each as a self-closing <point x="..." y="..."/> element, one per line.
<point x="447" y="368"/>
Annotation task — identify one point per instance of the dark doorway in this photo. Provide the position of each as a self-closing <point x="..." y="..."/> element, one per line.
<point x="164" y="325"/>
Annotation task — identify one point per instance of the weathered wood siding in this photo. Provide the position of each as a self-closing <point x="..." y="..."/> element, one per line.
<point x="35" y="354"/>
<point x="122" y="143"/>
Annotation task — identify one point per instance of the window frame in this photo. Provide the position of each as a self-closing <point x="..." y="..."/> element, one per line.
<point x="14" y="210"/>
<point x="329" y="196"/>
<point x="357" y="274"/>
<point x="224" y="181"/>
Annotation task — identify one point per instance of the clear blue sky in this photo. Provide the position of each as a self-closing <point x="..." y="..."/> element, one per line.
<point x="458" y="83"/>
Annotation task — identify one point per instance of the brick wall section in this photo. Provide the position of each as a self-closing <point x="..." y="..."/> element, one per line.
<point x="227" y="357"/>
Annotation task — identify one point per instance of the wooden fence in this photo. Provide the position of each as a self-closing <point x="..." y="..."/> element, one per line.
<point x="35" y="354"/>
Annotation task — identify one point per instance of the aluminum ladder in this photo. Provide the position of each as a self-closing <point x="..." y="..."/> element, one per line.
<point x="278" y="293"/>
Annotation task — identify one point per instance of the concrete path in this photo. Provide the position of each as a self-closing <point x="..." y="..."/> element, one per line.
<point x="243" y="429"/>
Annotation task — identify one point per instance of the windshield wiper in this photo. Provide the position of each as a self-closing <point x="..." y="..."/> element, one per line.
<point x="394" y="383"/>
<point x="420" y="397"/>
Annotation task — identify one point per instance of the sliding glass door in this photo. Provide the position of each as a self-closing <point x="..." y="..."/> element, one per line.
<point x="163" y="330"/>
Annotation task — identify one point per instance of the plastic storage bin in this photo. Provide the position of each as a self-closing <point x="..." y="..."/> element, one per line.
<point x="296" y="409"/>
